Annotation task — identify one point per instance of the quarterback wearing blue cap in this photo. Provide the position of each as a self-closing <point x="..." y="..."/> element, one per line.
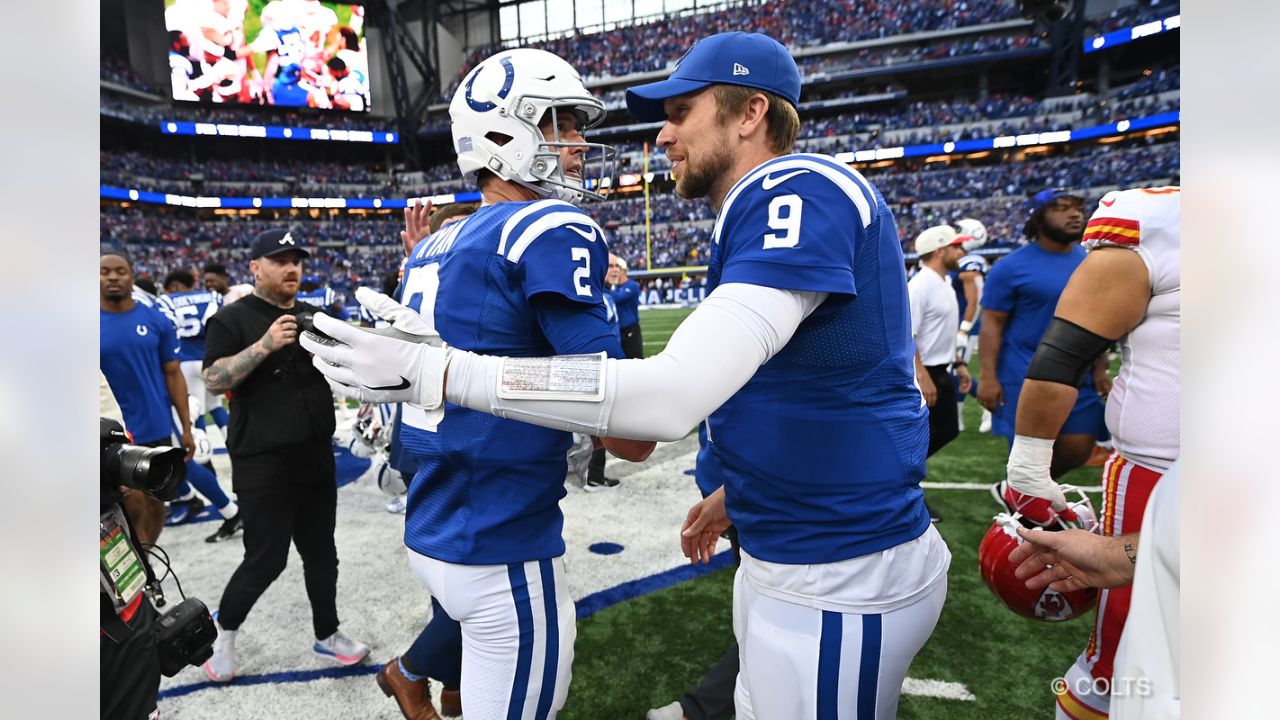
<point x="798" y="365"/>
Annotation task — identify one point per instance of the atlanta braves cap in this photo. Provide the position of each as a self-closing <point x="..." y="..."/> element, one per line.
<point x="731" y="58"/>
<point x="274" y="242"/>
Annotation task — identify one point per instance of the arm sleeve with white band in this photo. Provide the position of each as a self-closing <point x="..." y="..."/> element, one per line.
<point x="713" y="353"/>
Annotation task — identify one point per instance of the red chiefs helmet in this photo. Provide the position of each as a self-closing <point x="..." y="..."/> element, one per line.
<point x="997" y="572"/>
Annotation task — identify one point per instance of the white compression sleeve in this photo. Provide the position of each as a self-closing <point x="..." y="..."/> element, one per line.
<point x="713" y="353"/>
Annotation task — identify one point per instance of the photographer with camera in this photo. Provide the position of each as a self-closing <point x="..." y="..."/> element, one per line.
<point x="136" y="644"/>
<point x="280" y="441"/>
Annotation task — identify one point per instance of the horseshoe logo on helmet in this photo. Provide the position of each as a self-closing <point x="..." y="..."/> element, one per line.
<point x="485" y="105"/>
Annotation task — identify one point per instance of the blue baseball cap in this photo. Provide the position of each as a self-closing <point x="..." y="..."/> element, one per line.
<point x="731" y="58"/>
<point x="1037" y="202"/>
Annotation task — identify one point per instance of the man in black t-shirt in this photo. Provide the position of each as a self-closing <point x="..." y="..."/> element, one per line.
<point x="280" y="441"/>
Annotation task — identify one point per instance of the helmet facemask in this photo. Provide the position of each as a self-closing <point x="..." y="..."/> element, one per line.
<point x="599" y="162"/>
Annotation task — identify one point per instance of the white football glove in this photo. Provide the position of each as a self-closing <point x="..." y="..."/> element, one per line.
<point x="403" y="363"/>
<point x="962" y="347"/>
<point x="962" y="341"/>
<point x="1028" y="477"/>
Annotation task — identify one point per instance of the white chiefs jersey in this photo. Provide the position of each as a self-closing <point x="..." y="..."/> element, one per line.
<point x="1143" y="408"/>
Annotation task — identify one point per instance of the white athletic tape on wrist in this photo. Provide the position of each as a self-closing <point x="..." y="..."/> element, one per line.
<point x="574" y="378"/>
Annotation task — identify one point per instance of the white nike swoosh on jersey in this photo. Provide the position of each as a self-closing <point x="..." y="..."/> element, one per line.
<point x="590" y="235"/>
<point x="770" y="183"/>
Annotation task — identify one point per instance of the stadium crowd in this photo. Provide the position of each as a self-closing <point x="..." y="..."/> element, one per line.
<point x="356" y="249"/>
<point x="1135" y="14"/>
<point x="796" y="23"/>
<point x="132" y="164"/>
<point x="115" y="69"/>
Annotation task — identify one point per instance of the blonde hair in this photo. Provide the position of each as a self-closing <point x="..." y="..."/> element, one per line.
<point x="782" y="118"/>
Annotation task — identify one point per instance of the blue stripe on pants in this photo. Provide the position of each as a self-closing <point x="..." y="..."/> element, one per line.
<point x="524" y="655"/>
<point x="829" y="666"/>
<point x="869" y="667"/>
<point x="551" y="661"/>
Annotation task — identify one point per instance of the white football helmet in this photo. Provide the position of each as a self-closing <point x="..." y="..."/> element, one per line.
<point x="390" y="481"/>
<point x="507" y="95"/>
<point x="204" y="448"/>
<point x="976" y="231"/>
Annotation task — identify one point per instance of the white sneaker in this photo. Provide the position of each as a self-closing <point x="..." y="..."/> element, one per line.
<point x="666" y="712"/>
<point x="398" y="505"/>
<point x="984" y="425"/>
<point x="341" y="649"/>
<point x="221" y="667"/>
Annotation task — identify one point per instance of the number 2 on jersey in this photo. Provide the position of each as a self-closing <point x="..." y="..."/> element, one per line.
<point x="581" y="275"/>
<point x="784" y="216"/>
<point x="420" y="288"/>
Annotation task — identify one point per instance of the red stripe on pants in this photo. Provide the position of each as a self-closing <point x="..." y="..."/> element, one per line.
<point x="1122" y="510"/>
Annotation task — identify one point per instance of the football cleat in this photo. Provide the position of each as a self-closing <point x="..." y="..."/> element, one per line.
<point x="228" y="528"/>
<point x="181" y="511"/>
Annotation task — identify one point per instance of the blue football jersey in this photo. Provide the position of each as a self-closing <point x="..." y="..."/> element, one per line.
<point x="823" y="450"/>
<point x="321" y="297"/>
<point x="611" y="314"/>
<point x="487" y="490"/>
<point x="133" y="348"/>
<point x="1026" y="284"/>
<point x="190" y="313"/>
<point x="627" y="296"/>
<point x="968" y="263"/>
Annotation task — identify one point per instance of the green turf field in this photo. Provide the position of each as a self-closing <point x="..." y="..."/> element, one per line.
<point x="646" y="652"/>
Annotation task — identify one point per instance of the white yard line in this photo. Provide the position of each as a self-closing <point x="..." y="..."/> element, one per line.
<point x="937" y="689"/>
<point x="979" y="486"/>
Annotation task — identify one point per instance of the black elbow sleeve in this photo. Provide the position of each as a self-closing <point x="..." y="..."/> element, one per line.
<point x="1066" y="353"/>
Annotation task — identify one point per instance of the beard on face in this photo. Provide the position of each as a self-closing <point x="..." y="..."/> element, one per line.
<point x="1062" y="236"/>
<point x="697" y="180"/>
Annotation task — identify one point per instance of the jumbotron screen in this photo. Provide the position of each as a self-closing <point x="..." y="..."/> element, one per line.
<point x="290" y="53"/>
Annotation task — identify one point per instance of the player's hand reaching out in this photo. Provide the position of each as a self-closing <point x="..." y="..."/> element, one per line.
<point x="1073" y="559"/>
<point x="403" y="363"/>
<point x="416" y="215"/>
<point x="702" y="528"/>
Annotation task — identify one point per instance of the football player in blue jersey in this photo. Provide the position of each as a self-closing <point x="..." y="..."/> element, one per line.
<point x="315" y="293"/>
<point x="189" y="310"/>
<point x="139" y="354"/>
<point x="522" y="276"/>
<point x="800" y="362"/>
<point x="967" y="282"/>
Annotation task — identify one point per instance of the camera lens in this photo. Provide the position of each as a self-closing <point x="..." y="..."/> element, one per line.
<point x="157" y="470"/>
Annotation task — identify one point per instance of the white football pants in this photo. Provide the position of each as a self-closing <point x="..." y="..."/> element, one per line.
<point x="191" y="370"/>
<point x="518" y="628"/>
<point x="802" y="663"/>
